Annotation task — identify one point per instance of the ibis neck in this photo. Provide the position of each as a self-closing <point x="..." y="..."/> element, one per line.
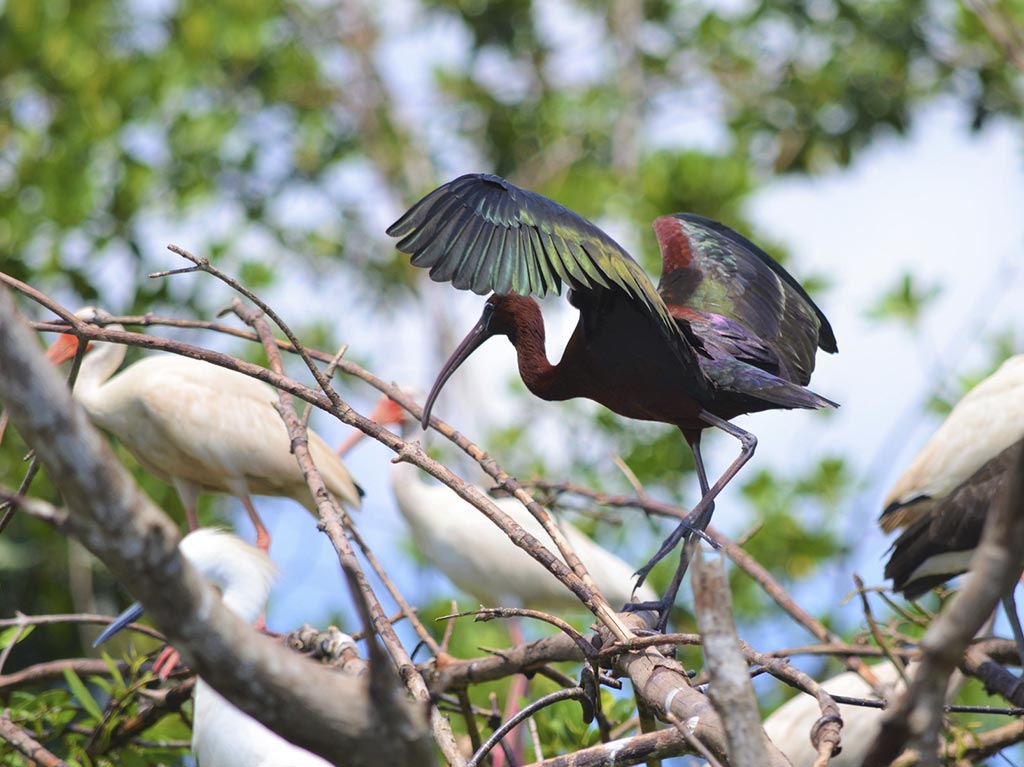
<point x="543" y="379"/>
<point x="99" y="364"/>
<point x="246" y="586"/>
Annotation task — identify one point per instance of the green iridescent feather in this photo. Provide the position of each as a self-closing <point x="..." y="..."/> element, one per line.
<point x="484" y="234"/>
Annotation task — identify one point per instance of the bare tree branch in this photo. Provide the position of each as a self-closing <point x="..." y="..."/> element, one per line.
<point x="336" y="524"/>
<point x="24" y="742"/>
<point x="730" y="688"/>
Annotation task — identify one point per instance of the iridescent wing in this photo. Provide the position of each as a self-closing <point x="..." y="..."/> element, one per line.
<point x="736" y="296"/>
<point x="484" y="234"/>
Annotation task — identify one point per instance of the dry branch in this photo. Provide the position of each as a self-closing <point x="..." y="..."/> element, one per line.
<point x="336" y="524"/>
<point x="24" y="743"/>
<point x="730" y="688"/>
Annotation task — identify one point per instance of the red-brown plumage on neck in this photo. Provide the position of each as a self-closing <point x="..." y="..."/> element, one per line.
<point x="519" y="319"/>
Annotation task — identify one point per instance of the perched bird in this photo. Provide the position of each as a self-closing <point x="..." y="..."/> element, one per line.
<point x="984" y="423"/>
<point x="477" y="556"/>
<point x="199" y="426"/>
<point x="728" y="330"/>
<point x="944" y="496"/>
<point x="222" y="735"/>
<point x="939" y="544"/>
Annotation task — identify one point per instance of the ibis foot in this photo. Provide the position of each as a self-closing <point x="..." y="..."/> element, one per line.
<point x="692" y="525"/>
<point x="689" y="530"/>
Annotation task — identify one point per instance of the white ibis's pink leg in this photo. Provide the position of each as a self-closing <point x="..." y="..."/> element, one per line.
<point x="262" y="536"/>
<point x="519" y="688"/>
<point x="191" y="518"/>
<point x="166" y="662"/>
<point x="189" y="495"/>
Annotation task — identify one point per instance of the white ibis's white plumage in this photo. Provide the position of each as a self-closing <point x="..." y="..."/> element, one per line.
<point x="479" y="558"/>
<point x="789" y="726"/>
<point x="985" y="422"/>
<point x="222" y="735"/>
<point x="199" y="426"/>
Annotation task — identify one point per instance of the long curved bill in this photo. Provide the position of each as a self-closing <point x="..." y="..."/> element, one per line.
<point x="130" y="615"/>
<point x="480" y="333"/>
<point x="63" y="349"/>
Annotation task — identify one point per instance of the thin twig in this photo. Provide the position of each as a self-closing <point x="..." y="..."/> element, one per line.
<point x="18" y="634"/>
<point x="335" y="523"/>
<point x="91" y="618"/>
<point x="489" y="613"/>
<point x="573" y="693"/>
<point x="876" y="634"/>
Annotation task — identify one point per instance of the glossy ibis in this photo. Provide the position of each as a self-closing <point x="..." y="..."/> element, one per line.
<point x="222" y="735"/>
<point x="201" y="427"/>
<point x="728" y="330"/>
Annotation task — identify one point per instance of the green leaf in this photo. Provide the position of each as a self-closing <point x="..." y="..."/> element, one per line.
<point x="82" y="694"/>
<point x="11" y="635"/>
<point x="115" y="672"/>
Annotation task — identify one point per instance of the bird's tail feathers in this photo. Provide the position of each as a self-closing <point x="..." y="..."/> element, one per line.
<point x="780" y="392"/>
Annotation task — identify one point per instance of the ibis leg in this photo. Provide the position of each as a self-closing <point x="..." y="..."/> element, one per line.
<point x="1010" y="607"/>
<point x="262" y="535"/>
<point x="189" y="495"/>
<point x="262" y="543"/>
<point x="700" y="517"/>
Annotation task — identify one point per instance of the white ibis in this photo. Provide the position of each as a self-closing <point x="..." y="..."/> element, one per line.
<point x="985" y="422"/>
<point x="477" y="556"/>
<point x="943" y="498"/>
<point x="199" y="426"/>
<point x="222" y="735"/>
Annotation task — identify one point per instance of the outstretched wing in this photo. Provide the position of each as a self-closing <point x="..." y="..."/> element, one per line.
<point x="738" y="294"/>
<point x="484" y="234"/>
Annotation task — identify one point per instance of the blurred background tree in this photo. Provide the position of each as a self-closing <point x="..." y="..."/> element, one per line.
<point x="281" y="138"/>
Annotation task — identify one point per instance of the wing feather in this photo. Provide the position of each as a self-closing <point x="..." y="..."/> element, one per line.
<point x="448" y="264"/>
<point x="534" y="246"/>
<point x="420" y="241"/>
<point x="718" y="273"/>
<point x="548" y="279"/>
